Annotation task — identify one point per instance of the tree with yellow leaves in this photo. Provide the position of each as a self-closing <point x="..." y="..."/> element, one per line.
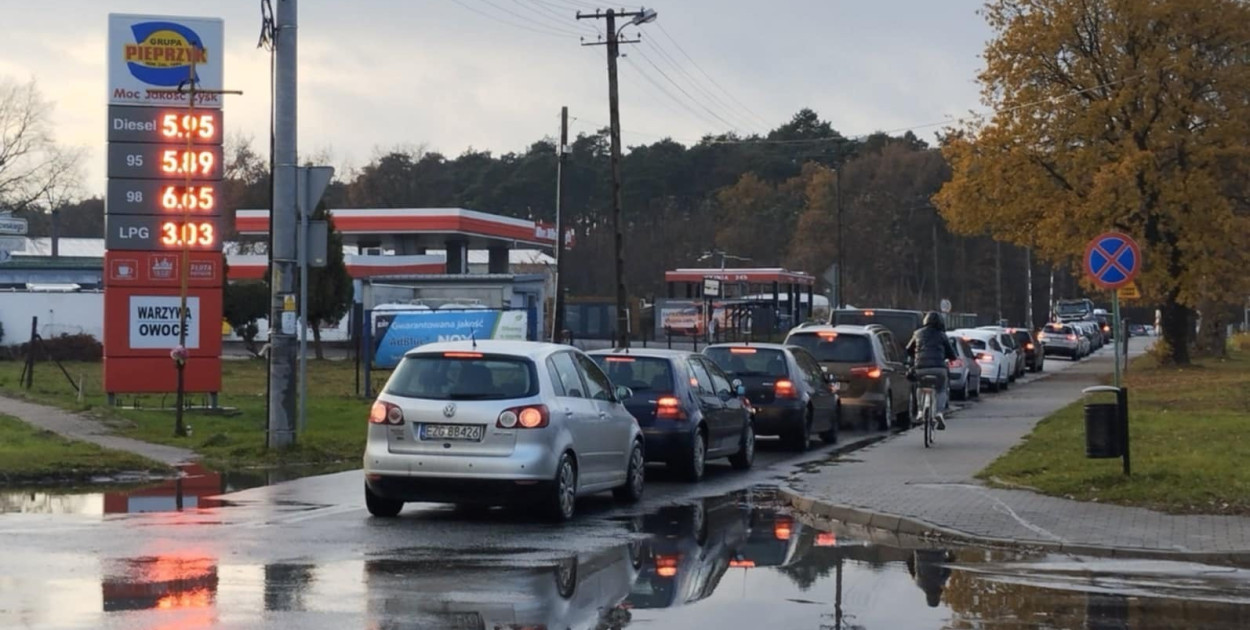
<point x="1128" y="115"/>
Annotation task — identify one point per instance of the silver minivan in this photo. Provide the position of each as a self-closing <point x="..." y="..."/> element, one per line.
<point x="500" y="422"/>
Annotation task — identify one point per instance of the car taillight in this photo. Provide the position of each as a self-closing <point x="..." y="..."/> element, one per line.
<point x="984" y="358"/>
<point x="869" y="371"/>
<point x="386" y="413"/>
<point x="1071" y="337"/>
<point x="528" y="417"/>
<point x="669" y="407"/>
<point x="666" y="566"/>
<point x="742" y="564"/>
<point x="783" y="528"/>
<point x="784" y="389"/>
<point x="1041" y="336"/>
<point x="826" y="539"/>
<point x="956" y="364"/>
<point x="1028" y="346"/>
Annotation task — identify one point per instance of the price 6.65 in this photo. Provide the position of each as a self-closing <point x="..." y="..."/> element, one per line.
<point x="174" y="234"/>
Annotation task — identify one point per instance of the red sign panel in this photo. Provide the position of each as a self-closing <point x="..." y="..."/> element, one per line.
<point x="161" y="269"/>
<point x="146" y="322"/>
<point x="151" y="375"/>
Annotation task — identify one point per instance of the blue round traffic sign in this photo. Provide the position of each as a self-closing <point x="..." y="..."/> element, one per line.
<point x="1112" y="260"/>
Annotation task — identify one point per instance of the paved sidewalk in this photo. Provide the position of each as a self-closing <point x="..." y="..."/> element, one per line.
<point x="78" y="427"/>
<point x="901" y="486"/>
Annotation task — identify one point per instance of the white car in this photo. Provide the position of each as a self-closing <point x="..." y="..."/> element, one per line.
<point x="1011" y="348"/>
<point x="996" y="364"/>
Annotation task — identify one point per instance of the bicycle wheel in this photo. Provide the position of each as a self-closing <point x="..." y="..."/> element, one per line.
<point x="928" y="419"/>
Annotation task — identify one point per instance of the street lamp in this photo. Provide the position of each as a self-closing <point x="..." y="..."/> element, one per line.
<point x="643" y="17"/>
<point x="723" y="256"/>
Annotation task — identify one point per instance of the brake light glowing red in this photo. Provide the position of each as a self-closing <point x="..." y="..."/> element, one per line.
<point x="462" y="355"/>
<point x="828" y="335"/>
<point x="385" y="413"/>
<point x="869" y="371"/>
<point x="783" y="528"/>
<point x="528" y="417"/>
<point x="1071" y="337"/>
<point x="826" y="539"/>
<point x="742" y="350"/>
<point x="666" y="566"/>
<point x="668" y="407"/>
<point x="984" y="357"/>
<point x="619" y="359"/>
<point x="956" y="364"/>
<point x="869" y="313"/>
<point x="1028" y="346"/>
<point x="742" y="564"/>
<point x="784" y="388"/>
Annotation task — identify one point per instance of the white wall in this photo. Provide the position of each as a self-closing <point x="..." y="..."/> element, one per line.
<point x="58" y="313"/>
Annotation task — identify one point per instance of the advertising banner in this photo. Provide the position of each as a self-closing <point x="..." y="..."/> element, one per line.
<point x="154" y="52"/>
<point x="143" y="322"/>
<point x="397" y="332"/>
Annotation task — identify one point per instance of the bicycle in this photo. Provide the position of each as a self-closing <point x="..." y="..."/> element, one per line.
<point x="926" y="405"/>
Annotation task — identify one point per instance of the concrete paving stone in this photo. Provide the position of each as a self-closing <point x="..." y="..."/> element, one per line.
<point x="907" y="485"/>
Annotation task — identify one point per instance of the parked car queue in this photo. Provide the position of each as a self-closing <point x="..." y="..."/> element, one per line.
<point x="505" y="422"/>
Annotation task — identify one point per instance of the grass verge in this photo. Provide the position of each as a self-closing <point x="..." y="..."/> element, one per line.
<point x="1189" y="432"/>
<point x="28" y="454"/>
<point x="336" y="418"/>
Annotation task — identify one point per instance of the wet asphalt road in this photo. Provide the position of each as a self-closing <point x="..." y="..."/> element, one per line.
<point x="722" y="554"/>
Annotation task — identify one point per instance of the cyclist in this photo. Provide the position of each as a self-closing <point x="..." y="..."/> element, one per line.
<point x="930" y="350"/>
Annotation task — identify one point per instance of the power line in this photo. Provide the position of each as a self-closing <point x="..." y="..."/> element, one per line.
<point x="732" y="127"/>
<point x="748" y="110"/>
<point x="698" y="85"/>
<point x="544" y="31"/>
<point x="530" y="20"/>
<point x="543" y="9"/>
<point x="649" y="79"/>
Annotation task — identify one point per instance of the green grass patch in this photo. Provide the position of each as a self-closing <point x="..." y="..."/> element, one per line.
<point x="336" y="418"/>
<point x="28" y="454"/>
<point x="1189" y="433"/>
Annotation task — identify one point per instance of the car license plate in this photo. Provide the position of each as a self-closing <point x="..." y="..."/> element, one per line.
<point x="466" y="432"/>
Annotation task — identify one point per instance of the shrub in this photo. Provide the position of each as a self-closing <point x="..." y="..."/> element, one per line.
<point x="79" y="347"/>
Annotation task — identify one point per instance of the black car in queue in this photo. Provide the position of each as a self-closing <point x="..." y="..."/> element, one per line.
<point x="792" y="395"/>
<point x="1034" y="350"/>
<point x="687" y="407"/>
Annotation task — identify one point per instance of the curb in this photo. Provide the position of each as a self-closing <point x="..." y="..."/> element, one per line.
<point x="909" y="526"/>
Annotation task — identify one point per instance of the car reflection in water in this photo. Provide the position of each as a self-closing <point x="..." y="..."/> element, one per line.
<point x="579" y="592"/>
<point x="166" y="582"/>
<point x="690" y="549"/>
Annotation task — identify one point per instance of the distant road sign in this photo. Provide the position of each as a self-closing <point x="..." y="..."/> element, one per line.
<point x="15" y="226"/>
<point x="946" y="305"/>
<point x="711" y="287"/>
<point x="1129" y="292"/>
<point x="1112" y="260"/>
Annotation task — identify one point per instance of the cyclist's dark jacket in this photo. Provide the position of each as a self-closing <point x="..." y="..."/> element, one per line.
<point x="931" y="347"/>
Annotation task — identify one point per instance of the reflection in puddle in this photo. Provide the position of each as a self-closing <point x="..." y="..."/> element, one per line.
<point x="190" y="491"/>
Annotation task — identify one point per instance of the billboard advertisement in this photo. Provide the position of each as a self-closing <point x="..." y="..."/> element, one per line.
<point x="396" y="332"/>
<point x="155" y="52"/>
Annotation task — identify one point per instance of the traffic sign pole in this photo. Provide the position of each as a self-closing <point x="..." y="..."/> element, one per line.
<point x="1115" y="328"/>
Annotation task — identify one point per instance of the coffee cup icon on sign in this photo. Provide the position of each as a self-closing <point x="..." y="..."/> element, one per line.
<point x="125" y="271"/>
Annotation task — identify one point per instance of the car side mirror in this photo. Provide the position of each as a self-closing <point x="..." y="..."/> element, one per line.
<point x="623" y="393"/>
<point x="739" y="387"/>
<point x="724" y="395"/>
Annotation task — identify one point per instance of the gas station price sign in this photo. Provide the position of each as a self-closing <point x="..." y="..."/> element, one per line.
<point x="173" y="196"/>
<point x="142" y="232"/>
<point x="163" y="161"/>
<point x="164" y="125"/>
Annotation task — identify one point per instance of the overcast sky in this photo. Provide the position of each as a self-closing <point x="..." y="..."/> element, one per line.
<point x="492" y="74"/>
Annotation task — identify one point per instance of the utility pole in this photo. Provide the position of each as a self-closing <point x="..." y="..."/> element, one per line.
<point x="837" y="204"/>
<point x="636" y="17"/>
<point x="937" y="287"/>
<point x="998" y="280"/>
<point x="562" y="150"/>
<point x="1028" y="273"/>
<point x="283" y="392"/>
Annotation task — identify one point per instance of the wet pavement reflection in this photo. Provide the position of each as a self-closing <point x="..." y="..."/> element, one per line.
<point x="735" y="561"/>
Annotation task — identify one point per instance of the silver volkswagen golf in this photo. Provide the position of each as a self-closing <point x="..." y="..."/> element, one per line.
<point x="500" y="422"/>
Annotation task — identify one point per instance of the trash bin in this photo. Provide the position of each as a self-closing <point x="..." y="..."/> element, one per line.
<point x="1102" y="431"/>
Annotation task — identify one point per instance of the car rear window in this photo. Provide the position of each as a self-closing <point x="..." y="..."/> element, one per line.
<point x="463" y="376"/>
<point x="649" y="374"/>
<point x="1062" y="330"/>
<point x="834" y="347"/>
<point x="976" y="344"/>
<point x="747" y="361"/>
<point x="1022" y="336"/>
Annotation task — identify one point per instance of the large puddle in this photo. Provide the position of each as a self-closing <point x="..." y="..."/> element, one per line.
<point x="740" y="561"/>
<point x="195" y="488"/>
